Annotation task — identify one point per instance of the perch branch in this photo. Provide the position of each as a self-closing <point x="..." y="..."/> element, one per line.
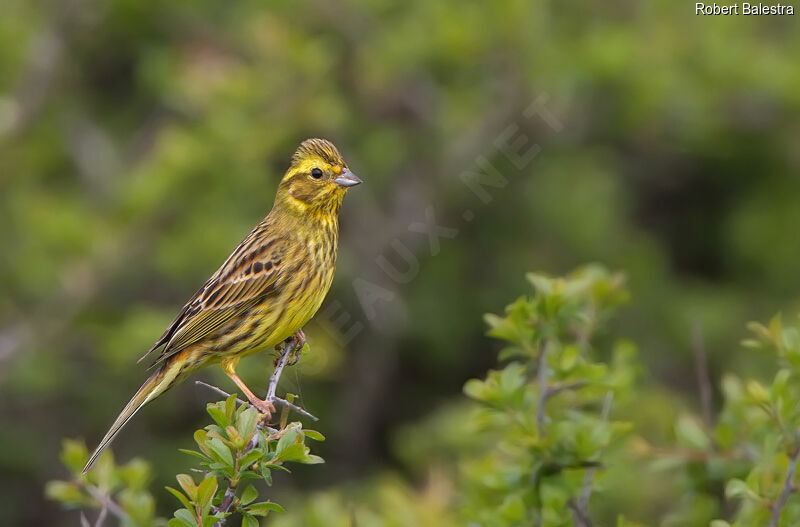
<point x="277" y="400"/>
<point x="786" y="491"/>
<point x="279" y="366"/>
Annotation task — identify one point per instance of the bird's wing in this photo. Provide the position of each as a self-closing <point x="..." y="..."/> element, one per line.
<point x="249" y="275"/>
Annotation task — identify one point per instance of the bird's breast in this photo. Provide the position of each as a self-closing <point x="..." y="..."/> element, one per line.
<point x="300" y="294"/>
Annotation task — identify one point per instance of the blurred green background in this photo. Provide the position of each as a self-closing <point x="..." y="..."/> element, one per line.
<point x="140" y="141"/>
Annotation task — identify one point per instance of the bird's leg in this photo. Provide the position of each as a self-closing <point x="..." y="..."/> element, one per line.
<point x="263" y="406"/>
<point x="299" y="339"/>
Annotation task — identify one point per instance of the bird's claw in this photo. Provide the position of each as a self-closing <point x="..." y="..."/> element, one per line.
<point x="299" y="340"/>
<point x="264" y="407"/>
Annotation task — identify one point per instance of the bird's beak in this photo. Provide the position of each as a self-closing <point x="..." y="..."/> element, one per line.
<point x="347" y="179"/>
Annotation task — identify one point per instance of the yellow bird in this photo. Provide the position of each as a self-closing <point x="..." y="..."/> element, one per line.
<point x="266" y="290"/>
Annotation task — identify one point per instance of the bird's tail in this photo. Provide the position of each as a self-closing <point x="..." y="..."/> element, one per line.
<point x="163" y="379"/>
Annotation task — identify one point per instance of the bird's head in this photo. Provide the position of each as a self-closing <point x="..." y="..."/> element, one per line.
<point x="317" y="179"/>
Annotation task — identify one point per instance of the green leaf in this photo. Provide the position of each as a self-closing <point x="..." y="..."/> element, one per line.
<point x="194" y="453"/>
<point x="136" y="473"/>
<point x="246" y="423"/>
<point x="220" y="452"/>
<point x="540" y="282"/>
<point x="249" y="521"/>
<point x="217" y="414"/>
<point x="266" y="473"/>
<point x="248" y="459"/>
<point x="74" y="455"/>
<point x="65" y="492"/>
<point x="736" y="488"/>
<point x="475" y="389"/>
<point x="230" y="408"/>
<point x="313" y="434"/>
<point x="187" y="484"/>
<point x="249" y="495"/>
<point x="569" y="356"/>
<point x="263" y="508"/>
<point x="205" y="492"/>
<point x="289" y="437"/>
<point x="756" y="391"/>
<point x="690" y="433"/>
<point x="185" y="516"/>
<point x="201" y="438"/>
<point x="178" y="494"/>
<point x="295" y="452"/>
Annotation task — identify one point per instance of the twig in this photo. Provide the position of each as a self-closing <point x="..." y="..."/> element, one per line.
<point x="281" y="402"/>
<point x="786" y="491"/>
<point x="101" y="518"/>
<point x="219" y="391"/>
<point x="276" y="374"/>
<point x="582" y="504"/>
<point x="703" y="379"/>
<point x="225" y="505"/>
<point x="107" y="502"/>
<point x="542" y="376"/>
<point x="563" y="387"/>
<point x="579" y="514"/>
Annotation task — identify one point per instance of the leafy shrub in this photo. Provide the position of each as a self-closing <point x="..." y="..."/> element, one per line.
<point x="231" y="452"/>
<point x="529" y="446"/>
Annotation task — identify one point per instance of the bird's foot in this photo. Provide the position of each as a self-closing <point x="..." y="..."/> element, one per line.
<point x="299" y="341"/>
<point x="264" y="407"/>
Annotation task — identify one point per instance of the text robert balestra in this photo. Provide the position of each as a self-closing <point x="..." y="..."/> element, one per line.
<point x="743" y="9"/>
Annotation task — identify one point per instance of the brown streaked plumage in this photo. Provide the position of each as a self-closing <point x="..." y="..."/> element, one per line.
<point x="266" y="290"/>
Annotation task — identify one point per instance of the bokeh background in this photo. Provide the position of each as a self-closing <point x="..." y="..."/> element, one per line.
<point x="140" y="141"/>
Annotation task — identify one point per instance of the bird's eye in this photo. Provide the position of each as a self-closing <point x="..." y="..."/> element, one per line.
<point x="316" y="173"/>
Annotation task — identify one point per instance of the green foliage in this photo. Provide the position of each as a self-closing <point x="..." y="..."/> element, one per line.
<point x="761" y="424"/>
<point x="383" y="501"/>
<point x="544" y="416"/>
<point x="506" y="456"/>
<point x="741" y="470"/>
<point x="141" y="140"/>
<point x="531" y="443"/>
<point x="119" y="490"/>
<point x="232" y="451"/>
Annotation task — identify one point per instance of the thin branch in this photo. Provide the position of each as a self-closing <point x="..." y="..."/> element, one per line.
<point x="579" y="514"/>
<point x="220" y="391"/>
<point x="786" y="491"/>
<point x="101" y="518"/>
<point x="225" y="505"/>
<point x="582" y="503"/>
<point x="298" y="409"/>
<point x="279" y="366"/>
<point x="542" y="376"/>
<point x="563" y="387"/>
<point x="278" y="400"/>
<point x="703" y="379"/>
<point x="107" y="502"/>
